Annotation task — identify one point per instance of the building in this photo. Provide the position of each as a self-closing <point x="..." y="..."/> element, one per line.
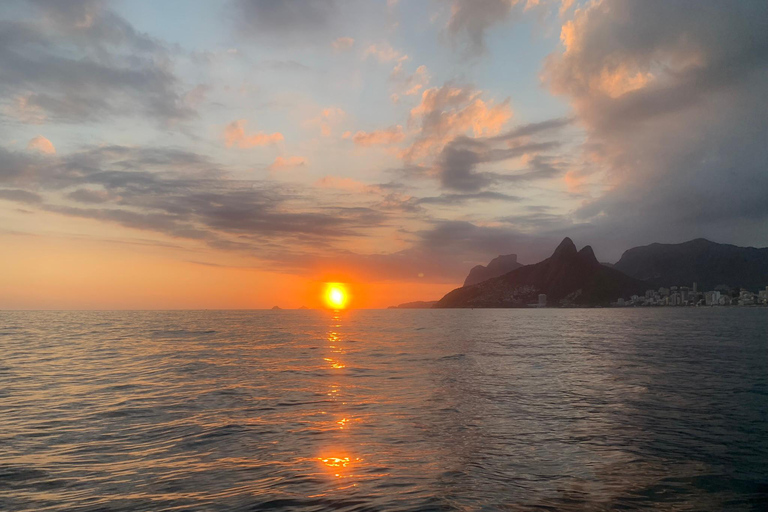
<point x="712" y="298"/>
<point x="542" y="300"/>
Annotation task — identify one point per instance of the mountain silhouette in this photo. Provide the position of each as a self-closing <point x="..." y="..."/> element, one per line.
<point x="497" y="267"/>
<point x="707" y="263"/>
<point x="568" y="277"/>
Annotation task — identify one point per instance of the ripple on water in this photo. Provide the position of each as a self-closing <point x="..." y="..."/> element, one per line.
<point x="384" y="410"/>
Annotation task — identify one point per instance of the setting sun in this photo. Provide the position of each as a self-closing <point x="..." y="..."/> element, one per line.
<point x="336" y="295"/>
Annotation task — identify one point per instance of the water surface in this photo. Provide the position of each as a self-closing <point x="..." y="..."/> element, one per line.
<point x="662" y="409"/>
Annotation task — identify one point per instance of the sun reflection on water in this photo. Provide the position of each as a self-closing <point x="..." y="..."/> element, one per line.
<point x="339" y="465"/>
<point x="335" y="459"/>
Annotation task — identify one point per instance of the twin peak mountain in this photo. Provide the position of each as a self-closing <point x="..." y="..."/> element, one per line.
<point x="573" y="277"/>
<point x="568" y="277"/>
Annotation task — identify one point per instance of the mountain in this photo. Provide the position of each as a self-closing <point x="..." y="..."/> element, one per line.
<point x="567" y="277"/>
<point x="419" y="304"/>
<point x="707" y="263"/>
<point x="497" y="267"/>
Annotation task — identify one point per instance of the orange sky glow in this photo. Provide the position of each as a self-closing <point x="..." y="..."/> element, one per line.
<point x="65" y="273"/>
<point x="255" y="152"/>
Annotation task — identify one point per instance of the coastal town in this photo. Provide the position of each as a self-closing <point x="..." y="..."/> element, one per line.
<point x="686" y="296"/>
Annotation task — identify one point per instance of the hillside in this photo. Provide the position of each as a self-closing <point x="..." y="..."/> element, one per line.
<point x="567" y="277"/>
<point x="497" y="267"/>
<point x="707" y="263"/>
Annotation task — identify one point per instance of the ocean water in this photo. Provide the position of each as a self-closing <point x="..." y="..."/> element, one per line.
<point x="581" y="409"/>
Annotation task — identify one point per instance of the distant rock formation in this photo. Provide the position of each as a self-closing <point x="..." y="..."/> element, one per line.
<point x="276" y="307"/>
<point x="707" y="263"/>
<point x="497" y="267"/>
<point x="304" y="307"/>
<point x="419" y="304"/>
<point x="568" y="277"/>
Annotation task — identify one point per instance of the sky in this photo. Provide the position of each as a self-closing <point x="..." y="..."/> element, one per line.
<point x="239" y="154"/>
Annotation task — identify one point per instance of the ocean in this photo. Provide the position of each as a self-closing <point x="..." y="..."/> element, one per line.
<point x="546" y="409"/>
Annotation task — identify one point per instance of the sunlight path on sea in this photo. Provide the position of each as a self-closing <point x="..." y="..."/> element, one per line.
<point x="384" y="410"/>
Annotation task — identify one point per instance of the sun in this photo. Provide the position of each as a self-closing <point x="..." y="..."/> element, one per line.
<point x="336" y="295"/>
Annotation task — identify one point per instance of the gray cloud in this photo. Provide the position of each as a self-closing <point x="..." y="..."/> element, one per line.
<point x="20" y="196"/>
<point x="186" y="196"/>
<point x="453" y="199"/>
<point x="183" y="195"/>
<point x="79" y="61"/>
<point x="674" y="106"/>
<point x="472" y="18"/>
<point x="294" y="19"/>
<point x="458" y="161"/>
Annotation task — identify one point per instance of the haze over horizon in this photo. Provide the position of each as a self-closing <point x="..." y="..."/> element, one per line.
<point x="239" y="154"/>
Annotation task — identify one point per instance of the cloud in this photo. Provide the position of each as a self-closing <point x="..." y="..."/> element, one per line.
<point x="345" y="184"/>
<point x="187" y="196"/>
<point x="456" y="166"/>
<point x="195" y="97"/>
<point x="286" y="20"/>
<point x="448" y="111"/>
<point x="281" y="163"/>
<point x="471" y="19"/>
<point x="673" y="106"/>
<point x="80" y="61"/>
<point x="453" y="199"/>
<point x="20" y="196"/>
<point x="183" y="195"/>
<point x="90" y="196"/>
<point x="409" y="85"/>
<point x="42" y="145"/>
<point x="386" y="136"/>
<point x="234" y="135"/>
<point x="342" y="44"/>
<point x="384" y="53"/>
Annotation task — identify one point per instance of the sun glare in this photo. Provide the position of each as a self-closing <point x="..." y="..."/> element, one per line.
<point x="336" y="295"/>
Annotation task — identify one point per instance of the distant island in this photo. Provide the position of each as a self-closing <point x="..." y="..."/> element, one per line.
<point x="652" y="275"/>
<point x="419" y="304"/>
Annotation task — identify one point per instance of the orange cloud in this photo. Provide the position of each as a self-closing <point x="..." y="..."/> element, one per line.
<point x="285" y="163"/>
<point x="234" y="135"/>
<point x="391" y="135"/>
<point x="448" y="111"/>
<point x="342" y="43"/>
<point x="620" y="81"/>
<point x="384" y="52"/>
<point x="346" y="184"/>
<point x="42" y="145"/>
